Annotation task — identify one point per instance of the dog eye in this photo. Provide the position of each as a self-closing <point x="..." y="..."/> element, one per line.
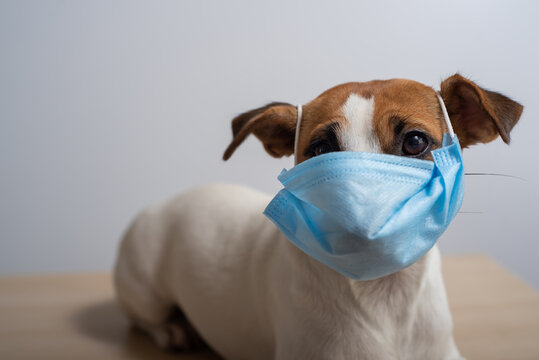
<point x="321" y="148"/>
<point x="414" y="143"/>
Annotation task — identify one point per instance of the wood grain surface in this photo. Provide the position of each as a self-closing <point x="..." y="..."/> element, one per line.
<point x="74" y="316"/>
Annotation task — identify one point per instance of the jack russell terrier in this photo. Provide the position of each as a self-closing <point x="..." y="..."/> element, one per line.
<point x="207" y="267"/>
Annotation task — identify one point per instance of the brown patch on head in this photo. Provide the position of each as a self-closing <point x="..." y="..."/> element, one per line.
<point x="400" y="107"/>
<point x="404" y="107"/>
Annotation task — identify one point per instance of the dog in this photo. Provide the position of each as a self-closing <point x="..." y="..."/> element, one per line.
<point x="208" y="268"/>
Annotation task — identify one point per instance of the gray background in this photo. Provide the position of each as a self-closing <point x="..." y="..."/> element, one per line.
<point x="108" y="106"/>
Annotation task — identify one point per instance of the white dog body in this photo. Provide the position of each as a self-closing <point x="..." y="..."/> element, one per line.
<point x="264" y="298"/>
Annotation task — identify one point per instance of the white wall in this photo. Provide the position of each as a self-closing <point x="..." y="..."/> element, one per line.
<point x="107" y="106"/>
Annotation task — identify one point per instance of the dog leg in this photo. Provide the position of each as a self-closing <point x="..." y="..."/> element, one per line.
<point x="164" y="322"/>
<point x="453" y="352"/>
<point x="175" y="334"/>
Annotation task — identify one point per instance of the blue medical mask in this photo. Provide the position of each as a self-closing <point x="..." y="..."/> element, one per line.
<point x="369" y="215"/>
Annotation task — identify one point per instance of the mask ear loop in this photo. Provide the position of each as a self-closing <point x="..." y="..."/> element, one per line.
<point x="446" y="116"/>
<point x="296" y="138"/>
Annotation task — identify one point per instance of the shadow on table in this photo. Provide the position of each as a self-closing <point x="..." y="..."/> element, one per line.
<point x="105" y="322"/>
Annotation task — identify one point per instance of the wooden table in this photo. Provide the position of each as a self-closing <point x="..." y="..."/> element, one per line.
<point x="74" y="316"/>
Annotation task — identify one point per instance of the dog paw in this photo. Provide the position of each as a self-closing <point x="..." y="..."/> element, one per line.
<point x="171" y="337"/>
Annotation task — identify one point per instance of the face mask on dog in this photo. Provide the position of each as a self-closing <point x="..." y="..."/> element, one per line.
<point x="369" y="215"/>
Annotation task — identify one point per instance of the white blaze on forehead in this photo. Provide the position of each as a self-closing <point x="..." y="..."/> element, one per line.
<point x="357" y="134"/>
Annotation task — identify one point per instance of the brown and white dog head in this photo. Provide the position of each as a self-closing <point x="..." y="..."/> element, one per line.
<point x="399" y="117"/>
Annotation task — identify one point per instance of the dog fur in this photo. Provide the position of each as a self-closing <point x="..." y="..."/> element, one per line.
<point x="248" y="292"/>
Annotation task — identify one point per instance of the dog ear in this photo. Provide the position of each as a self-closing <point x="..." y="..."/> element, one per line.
<point x="274" y="125"/>
<point x="478" y="115"/>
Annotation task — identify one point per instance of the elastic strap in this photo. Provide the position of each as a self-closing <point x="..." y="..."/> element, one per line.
<point x="446" y="116"/>
<point x="296" y="139"/>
